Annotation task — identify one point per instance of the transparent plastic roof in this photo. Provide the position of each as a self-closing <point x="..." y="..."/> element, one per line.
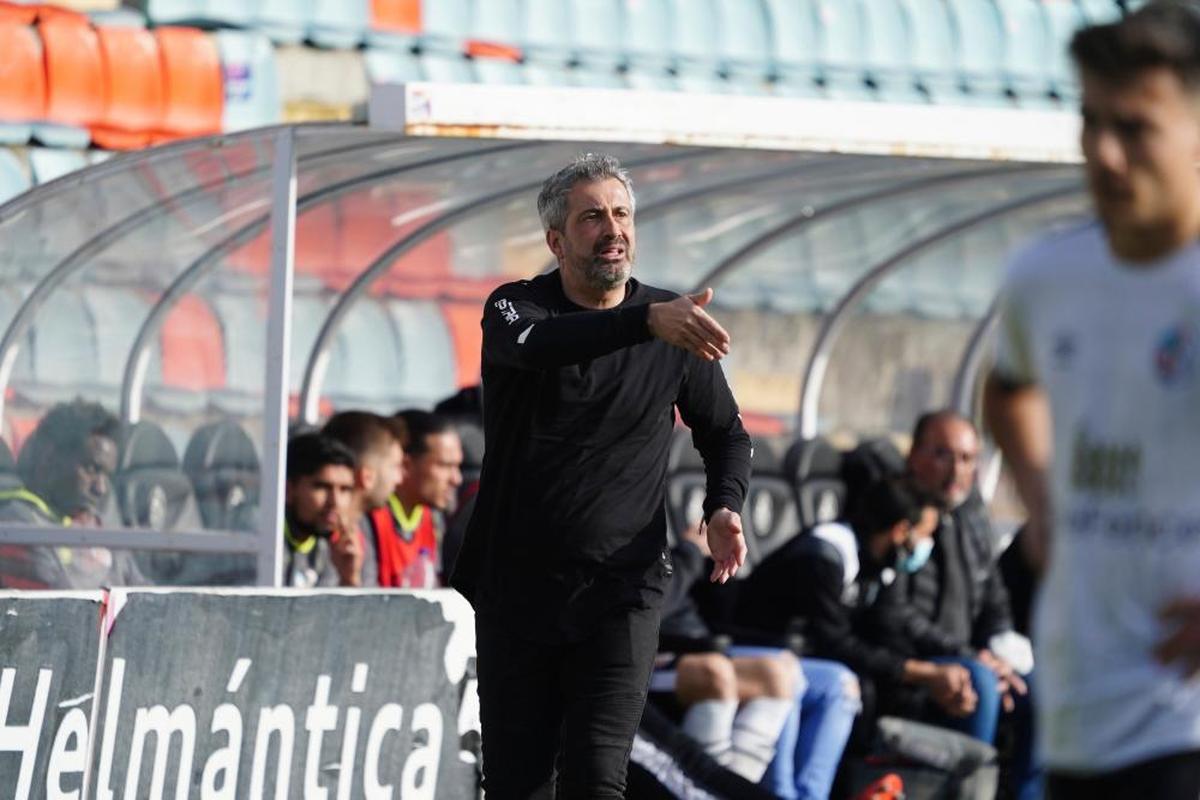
<point x="142" y="282"/>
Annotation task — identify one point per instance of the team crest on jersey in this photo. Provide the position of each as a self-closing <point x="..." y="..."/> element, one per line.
<point x="1175" y="355"/>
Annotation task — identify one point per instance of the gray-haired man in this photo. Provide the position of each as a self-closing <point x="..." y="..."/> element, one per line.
<point x="565" y="557"/>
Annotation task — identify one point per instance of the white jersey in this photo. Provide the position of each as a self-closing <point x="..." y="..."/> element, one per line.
<point x="1117" y="349"/>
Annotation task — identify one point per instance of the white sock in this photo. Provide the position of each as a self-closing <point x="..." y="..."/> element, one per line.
<point x="710" y="723"/>
<point x="756" y="729"/>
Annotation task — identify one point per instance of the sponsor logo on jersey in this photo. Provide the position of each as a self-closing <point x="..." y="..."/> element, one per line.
<point x="507" y="310"/>
<point x="1106" y="468"/>
<point x="1175" y="355"/>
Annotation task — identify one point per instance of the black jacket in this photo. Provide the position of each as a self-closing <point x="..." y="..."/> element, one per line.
<point x="579" y="406"/>
<point x="802" y="585"/>
<point x="957" y="601"/>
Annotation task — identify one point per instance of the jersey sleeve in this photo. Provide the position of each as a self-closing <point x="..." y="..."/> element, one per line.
<point x="519" y="332"/>
<point x="1013" y="357"/>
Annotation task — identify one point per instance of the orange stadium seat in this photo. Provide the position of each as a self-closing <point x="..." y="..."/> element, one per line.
<point x="22" y="81"/>
<point x="396" y="16"/>
<point x="18" y="13"/>
<point x="195" y="93"/>
<point x="75" y="90"/>
<point x="135" y="89"/>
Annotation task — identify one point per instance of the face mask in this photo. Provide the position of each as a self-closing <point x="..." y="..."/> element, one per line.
<point x="911" y="562"/>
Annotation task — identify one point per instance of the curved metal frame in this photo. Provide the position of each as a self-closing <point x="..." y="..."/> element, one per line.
<point x="318" y="358"/>
<point x="734" y="260"/>
<point x="138" y="361"/>
<point x="814" y="373"/>
<point x="962" y="392"/>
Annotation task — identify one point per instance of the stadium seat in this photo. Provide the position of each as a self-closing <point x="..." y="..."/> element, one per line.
<point x="75" y="82"/>
<point x="251" y="80"/>
<point x="934" y="44"/>
<point x="980" y="51"/>
<point x="339" y="24"/>
<point x="172" y="12"/>
<point x="222" y="464"/>
<point x="744" y="45"/>
<point x="495" y="63"/>
<point x="597" y="30"/>
<point x="1063" y="18"/>
<point x="134" y="89"/>
<point x="546" y="42"/>
<point x="887" y="55"/>
<point x="814" y="468"/>
<point x="695" y="46"/>
<point x="285" y="21"/>
<point x="1028" y="60"/>
<point x="841" y="42"/>
<point x="48" y="163"/>
<point x="151" y="490"/>
<point x="770" y="515"/>
<point x="123" y="17"/>
<point x="395" y="17"/>
<point x="1099" y="11"/>
<point x="18" y="13"/>
<point x="13" y="179"/>
<point x="794" y="47"/>
<point x="22" y="81"/>
<point x="238" y="13"/>
<point x="392" y="66"/>
<point x="647" y="29"/>
<point x="195" y="93"/>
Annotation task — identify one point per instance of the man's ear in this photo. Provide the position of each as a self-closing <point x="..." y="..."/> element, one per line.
<point x="554" y="241"/>
<point x="898" y="533"/>
<point x="364" y="477"/>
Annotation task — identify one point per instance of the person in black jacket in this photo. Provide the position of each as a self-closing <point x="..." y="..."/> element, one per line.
<point x="958" y="603"/>
<point x="830" y="584"/>
<point x="564" y="558"/>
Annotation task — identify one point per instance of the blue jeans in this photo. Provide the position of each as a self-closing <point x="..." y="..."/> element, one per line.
<point x="811" y="743"/>
<point x="981" y="723"/>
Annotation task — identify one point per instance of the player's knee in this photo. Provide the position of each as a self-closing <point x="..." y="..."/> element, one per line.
<point x="708" y="675"/>
<point x="781" y="674"/>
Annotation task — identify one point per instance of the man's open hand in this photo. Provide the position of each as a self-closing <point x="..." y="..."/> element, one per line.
<point x="727" y="544"/>
<point x="683" y="322"/>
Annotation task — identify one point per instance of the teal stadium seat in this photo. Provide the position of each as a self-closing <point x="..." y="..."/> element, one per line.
<point x="648" y="29"/>
<point x="442" y="43"/>
<point x="496" y="22"/>
<point x="48" y="163"/>
<point x="1028" y="62"/>
<point x="252" y="97"/>
<point x="793" y="47"/>
<point x="1100" y="11"/>
<point x="339" y="24"/>
<point x="694" y="46"/>
<point x="887" y="52"/>
<point x="235" y="13"/>
<point x="1063" y="18"/>
<point x="980" y="51"/>
<point x="934" y="43"/>
<point x="285" y="21"/>
<point x="841" y="42"/>
<point x="545" y="41"/>
<point x="744" y="41"/>
<point x="171" y="12"/>
<point x="13" y="179"/>
<point x="386" y="65"/>
<point x="597" y="33"/>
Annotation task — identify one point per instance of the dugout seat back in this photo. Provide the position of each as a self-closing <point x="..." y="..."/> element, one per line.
<point x="814" y="467"/>
<point x="223" y="466"/>
<point x="151" y="490"/>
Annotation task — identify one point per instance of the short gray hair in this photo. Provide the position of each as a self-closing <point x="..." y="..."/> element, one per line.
<point x="552" y="200"/>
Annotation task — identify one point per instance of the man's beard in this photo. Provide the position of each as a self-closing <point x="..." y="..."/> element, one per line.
<point x="606" y="276"/>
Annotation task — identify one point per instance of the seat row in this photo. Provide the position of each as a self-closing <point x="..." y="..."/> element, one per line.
<point x="948" y="51"/>
<point x="71" y="83"/>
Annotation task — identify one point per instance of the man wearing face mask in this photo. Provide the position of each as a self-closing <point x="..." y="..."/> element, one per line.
<point x="829" y="583"/>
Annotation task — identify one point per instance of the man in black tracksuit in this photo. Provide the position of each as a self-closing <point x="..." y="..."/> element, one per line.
<point x="565" y="556"/>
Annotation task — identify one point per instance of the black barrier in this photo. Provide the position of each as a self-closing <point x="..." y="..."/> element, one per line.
<point x="49" y="649"/>
<point x="234" y="695"/>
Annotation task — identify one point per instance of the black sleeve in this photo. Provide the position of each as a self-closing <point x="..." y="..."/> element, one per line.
<point x="519" y="332"/>
<point x="832" y="633"/>
<point x="901" y="619"/>
<point x="707" y="407"/>
<point x="688" y="563"/>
